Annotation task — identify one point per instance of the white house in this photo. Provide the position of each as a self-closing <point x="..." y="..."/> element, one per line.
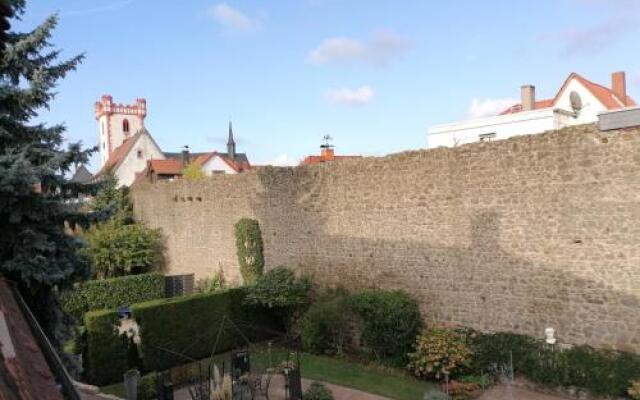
<point x="578" y="101"/>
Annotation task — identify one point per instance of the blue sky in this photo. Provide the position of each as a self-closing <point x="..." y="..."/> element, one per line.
<point x="372" y="74"/>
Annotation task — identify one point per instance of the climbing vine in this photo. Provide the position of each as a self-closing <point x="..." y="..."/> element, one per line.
<point x="250" y="249"/>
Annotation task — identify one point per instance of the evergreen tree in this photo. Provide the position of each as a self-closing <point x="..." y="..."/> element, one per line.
<point x="35" y="196"/>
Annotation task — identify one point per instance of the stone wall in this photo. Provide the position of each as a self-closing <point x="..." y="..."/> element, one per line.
<point x="516" y="235"/>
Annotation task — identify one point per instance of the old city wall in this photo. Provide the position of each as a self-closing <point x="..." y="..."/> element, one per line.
<point x="516" y="235"/>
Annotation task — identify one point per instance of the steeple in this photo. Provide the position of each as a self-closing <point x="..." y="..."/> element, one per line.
<point x="231" y="144"/>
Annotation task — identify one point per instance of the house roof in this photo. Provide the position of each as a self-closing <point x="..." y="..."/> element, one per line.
<point x="171" y="166"/>
<point x="239" y="164"/>
<point x="24" y="371"/>
<point x="82" y="175"/>
<point x="604" y="94"/>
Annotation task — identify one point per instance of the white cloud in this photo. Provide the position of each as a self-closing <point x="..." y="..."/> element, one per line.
<point x="350" y="97"/>
<point x="283" y="160"/>
<point x="380" y="50"/>
<point x="232" y="18"/>
<point x="487" y="107"/>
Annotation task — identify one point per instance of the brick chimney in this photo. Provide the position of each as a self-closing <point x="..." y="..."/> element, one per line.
<point x="528" y="94"/>
<point x="619" y="86"/>
<point x="327" y="153"/>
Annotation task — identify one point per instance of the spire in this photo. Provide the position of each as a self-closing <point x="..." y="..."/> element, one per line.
<point x="231" y="144"/>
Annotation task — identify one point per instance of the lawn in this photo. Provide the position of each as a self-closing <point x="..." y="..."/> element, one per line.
<point x="372" y="378"/>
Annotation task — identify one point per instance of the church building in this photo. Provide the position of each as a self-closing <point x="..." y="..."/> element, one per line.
<point x="128" y="150"/>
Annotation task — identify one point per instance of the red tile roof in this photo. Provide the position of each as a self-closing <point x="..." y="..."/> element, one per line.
<point x="233" y="164"/>
<point x="604" y="94"/>
<point x="118" y="154"/>
<point x="24" y="371"/>
<point x="171" y="166"/>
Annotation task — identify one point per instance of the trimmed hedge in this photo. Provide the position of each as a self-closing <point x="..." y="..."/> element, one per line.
<point x="189" y="325"/>
<point x="105" y="353"/>
<point x="603" y="372"/>
<point x="111" y="293"/>
<point x="186" y="325"/>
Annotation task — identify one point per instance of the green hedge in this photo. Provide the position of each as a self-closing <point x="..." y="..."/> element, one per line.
<point x="112" y="293"/>
<point x="104" y="353"/>
<point x="187" y="325"/>
<point x="603" y="372"/>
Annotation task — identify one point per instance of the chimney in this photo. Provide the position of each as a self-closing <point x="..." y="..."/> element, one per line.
<point x="185" y="156"/>
<point x="327" y="153"/>
<point x="619" y="86"/>
<point x="528" y="94"/>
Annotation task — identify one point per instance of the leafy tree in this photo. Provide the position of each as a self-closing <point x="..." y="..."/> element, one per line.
<point x="35" y="193"/>
<point x="250" y="249"/>
<point x="116" y="249"/>
<point x="281" y="291"/>
<point x="193" y="172"/>
<point x="113" y="201"/>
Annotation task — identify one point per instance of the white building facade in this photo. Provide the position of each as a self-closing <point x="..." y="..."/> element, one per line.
<point x="579" y="101"/>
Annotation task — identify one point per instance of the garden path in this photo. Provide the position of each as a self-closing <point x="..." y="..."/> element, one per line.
<point x="501" y="392"/>
<point x="276" y="391"/>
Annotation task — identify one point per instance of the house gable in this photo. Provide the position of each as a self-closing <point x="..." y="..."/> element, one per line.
<point x="142" y="149"/>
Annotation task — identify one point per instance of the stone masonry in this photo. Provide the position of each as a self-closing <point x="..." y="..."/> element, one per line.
<point x="515" y="235"/>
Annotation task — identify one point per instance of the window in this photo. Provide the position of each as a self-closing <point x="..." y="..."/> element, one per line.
<point x="486" y="137"/>
<point x="139" y="153"/>
<point x="125" y="126"/>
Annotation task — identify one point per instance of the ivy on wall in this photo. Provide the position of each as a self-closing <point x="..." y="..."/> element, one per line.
<point x="249" y="248"/>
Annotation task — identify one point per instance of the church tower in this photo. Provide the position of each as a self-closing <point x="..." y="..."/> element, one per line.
<point x="231" y="144"/>
<point x="117" y="122"/>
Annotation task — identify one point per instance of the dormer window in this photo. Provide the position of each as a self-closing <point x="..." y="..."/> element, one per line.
<point x="125" y="126"/>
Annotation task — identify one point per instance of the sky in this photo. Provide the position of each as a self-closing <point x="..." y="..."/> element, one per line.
<point x="374" y="75"/>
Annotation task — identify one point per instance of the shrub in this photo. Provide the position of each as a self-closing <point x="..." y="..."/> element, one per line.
<point x="634" y="390"/>
<point x="317" y="391"/>
<point x="148" y="387"/>
<point x="438" y="352"/>
<point x="112" y="293"/>
<point x="324" y="325"/>
<point x="603" y="372"/>
<point x="190" y="325"/>
<point x="249" y="249"/>
<point x="105" y="352"/>
<point x="281" y="291"/>
<point x="389" y="323"/>
<point x="214" y="284"/>
<point x="115" y="249"/>
<point x="193" y="172"/>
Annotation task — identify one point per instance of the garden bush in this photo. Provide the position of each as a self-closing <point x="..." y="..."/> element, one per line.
<point x="249" y="248"/>
<point x="324" y="326"/>
<point x="438" y="353"/>
<point x="279" y="290"/>
<point x="112" y="293"/>
<point x="603" y="372"/>
<point x="389" y="323"/>
<point x="189" y="326"/>
<point x="117" y="249"/>
<point x="317" y="391"/>
<point x="105" y="352"/>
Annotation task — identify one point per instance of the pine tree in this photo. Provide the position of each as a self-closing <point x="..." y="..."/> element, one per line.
<point x="35" y="195"/>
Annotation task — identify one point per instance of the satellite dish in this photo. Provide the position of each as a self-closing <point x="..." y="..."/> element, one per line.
<point x="576" y="101"/>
